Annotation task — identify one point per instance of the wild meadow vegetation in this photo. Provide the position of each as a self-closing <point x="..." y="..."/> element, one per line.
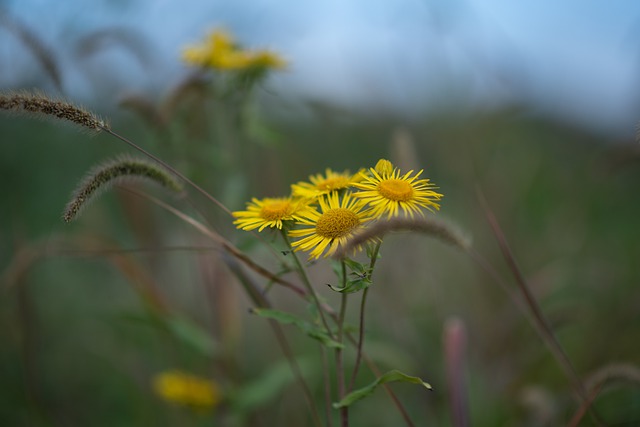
<point x="220" y="265"/>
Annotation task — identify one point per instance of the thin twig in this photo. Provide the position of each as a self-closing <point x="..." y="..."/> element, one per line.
<point x="584" y="408"/>
<point x="170" y="168"/>
<point x="259" y="299"/>
<point x="225" y="244"/>
<point x="374" y="369"/>
<point x="539" y="320"/>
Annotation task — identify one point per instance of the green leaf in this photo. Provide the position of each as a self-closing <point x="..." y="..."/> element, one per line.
<point x="192" y="335"/>
<point x="390" y="376"/>
<point x="188" y="332"/>
<point x="306" y="327"/>
<point x="360" y="276"/>
<point x="267" y="387"/>
<point x="356" y="266"/>
<point x="370" y="249"/>
<point x="336" y="266"/>
<point x="352" y="286"/>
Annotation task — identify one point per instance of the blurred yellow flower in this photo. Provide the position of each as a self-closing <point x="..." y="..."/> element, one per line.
<point x="269" y="212"/>
<point x="220" y="51"/>
<point x="267" y="59"/>
<point x="387" y="192"/>
<point x="186" y="389"/>
<point x="321" y="185"/>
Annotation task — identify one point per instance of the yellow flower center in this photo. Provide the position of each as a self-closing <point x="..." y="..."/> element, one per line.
<point x="336" y="223"/>
<point x="275" y="210"/>
<point x="396" y="190"/>
<point x="332" y="183"/>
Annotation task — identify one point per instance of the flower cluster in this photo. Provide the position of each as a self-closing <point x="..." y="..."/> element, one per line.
<point x="185" y="389"/>
<point x="220" y="51"/>
<point x="324" y="213"/>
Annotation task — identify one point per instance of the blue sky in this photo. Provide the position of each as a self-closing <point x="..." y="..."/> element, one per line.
<point x="577" y="59"/>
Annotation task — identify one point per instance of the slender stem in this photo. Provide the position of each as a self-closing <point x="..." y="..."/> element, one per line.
<point x="226" y="245"/>
<point x="305" y="279"/>
<point x="327" y="386"/>
<point x="231" y="256"/>
<point x="363" y="302"/>
<point x="342" y="391"/>
<point x="356" y="367"/>
<point x="170" y="168"/>
<point x="374" y="368"/>
<point x="27" y="324"/>
<point x="538" y="317"/>
<point x="261" y="301"/>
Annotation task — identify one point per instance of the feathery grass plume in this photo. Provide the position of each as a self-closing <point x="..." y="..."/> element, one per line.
<point x="430" y="226"/>
<point x="118" y="171"/>
<point x="625" y="372"/>
<point x="42" y="53"/>
<point x="40" y="105"/>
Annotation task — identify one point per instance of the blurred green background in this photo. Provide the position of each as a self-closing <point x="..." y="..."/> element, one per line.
<point x="91" y="311"/>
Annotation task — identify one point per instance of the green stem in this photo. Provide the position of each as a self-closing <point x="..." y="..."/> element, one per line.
<point x="261" y="301"/>
<point x="327" y="386"/>
<point x="342" y="391"/>
<point x="376" y="371"/>
<point x="307" y="283"/>
<point x="356" y="367"/>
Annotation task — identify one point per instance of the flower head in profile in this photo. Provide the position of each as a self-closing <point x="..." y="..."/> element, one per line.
<point x="320" y="184"/>
<point x="185" y="389"/>
<point x="269" y="212"/>
<point x="384" y="167"/>
<point x="388" y="192"/>
<point x="330" y="227"/>
<point x="220" y="51"/>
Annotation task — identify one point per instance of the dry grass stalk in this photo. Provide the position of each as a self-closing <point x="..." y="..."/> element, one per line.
<point x="429" y="226"/>
<point x="118" y="171"/>
<point x="41" y="105"/>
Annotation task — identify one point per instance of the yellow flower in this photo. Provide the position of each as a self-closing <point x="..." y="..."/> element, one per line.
<point x="387" y="192"/>
<point x="321" y="185"/>
<point x="220" y="51"/>
<point x="185" y="389"/>
<point x="269" y="212"/>
<point x="330" y="228"/>
<point x="384" y="166"/>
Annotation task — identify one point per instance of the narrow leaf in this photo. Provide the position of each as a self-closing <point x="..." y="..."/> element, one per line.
<point x="267" y="387"/>
<point x="353" y="286"/>
<point x="390" y="376"/>
<point x="303" y="325"/>
<point x="192" y="335"/>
